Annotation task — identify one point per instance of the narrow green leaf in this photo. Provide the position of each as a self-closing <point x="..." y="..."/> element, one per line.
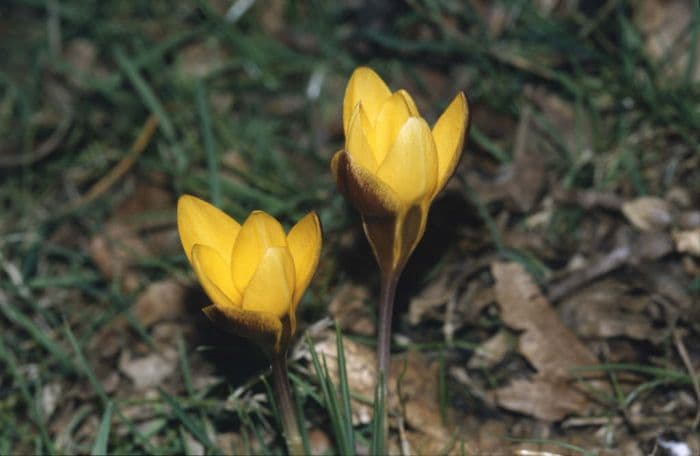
<point x="100" y="446"/>
<point x="329" y="399"/>
<point x="301" y="419"/>
<point x="11" y="362"/>
<point x="194" y="428"/>
<point x="41" y="337"/>
<point x="377" y="444"/>
<point x="185" y="365"/>
<point x="209" y="146"/>
<point x="147" y="94"/>
<point x="344" y="389"/>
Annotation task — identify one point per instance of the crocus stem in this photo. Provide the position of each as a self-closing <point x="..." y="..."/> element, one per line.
<point x="386" y="310"/>
<point x="280" y="384"/>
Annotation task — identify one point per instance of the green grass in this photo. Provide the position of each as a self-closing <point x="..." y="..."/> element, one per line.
<point x="245" y="136"/>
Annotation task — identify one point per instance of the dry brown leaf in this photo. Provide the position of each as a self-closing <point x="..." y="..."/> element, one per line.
<point x="199" y="60"/>
<point x="116" y="250"/>
<point x="433" y="296"/>
<point x="132" y="233"/>
<point x="664" y="25"/>
<point x="688" y="241"/>
<point x="551" y="347"/>
<point x="319" y="442"/>
<point x="547" y="343"/>
<point x="492" y="351"/>
<point x="648" y="213"/>
<point x="528" y="166"/>
<point x="550" y="400"/>
<point x="493" y="437"/>
<point x="82" y="54"/>
<point x="575" y="128"/>
<point x="350" y="308"/>
<point x="164" y="300"/>
<point x="148" y="371"/>
<point x="608" y="308"/>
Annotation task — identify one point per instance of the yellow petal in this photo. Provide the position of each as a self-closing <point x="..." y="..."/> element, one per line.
<point x="448" y="133"/>
<point x="259" y="232"/>
<point x="198" y="222"/>
<point x="412" y="108"/>
<point x="262" y="327"/>
<point x="214" y="275"/>
<point x="272" y="286"/>
<point x="392" y="116"/>
<point x="304" y="241"/>
<point x="369" y="195"/>
<point x="410" y="167"/>
<point x="367" y="87"/>
<point x="357" y="143"/>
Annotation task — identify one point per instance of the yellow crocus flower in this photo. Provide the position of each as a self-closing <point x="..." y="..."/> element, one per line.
<point x="254" y="273"/>
<point x="393" y="164"/>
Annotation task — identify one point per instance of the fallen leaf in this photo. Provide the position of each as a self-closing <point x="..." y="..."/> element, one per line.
<point x="609" y="308"/>
<point x="319" y="442"/>
<point x="664" y="26"/>
<point x="433" y="296"/>
<point x="115" y="251"/>
<point x="648" y="213"/>
<point x="201" y="59"/>
<point x="547" y="343"/>
<point x="550" y="400"/>
<point x="135" y="231"/>
<point x="528" y="168"/>
<point x="164" y="300"/>
<point x="574" y="128"/>
<point x="551" y="347"/>
<point x="50" y="396"/>
<point x="351" y="308"/>
<point x="687" y="241"/>
<point x="492" y="351"/>
<point x="150" y="370"/>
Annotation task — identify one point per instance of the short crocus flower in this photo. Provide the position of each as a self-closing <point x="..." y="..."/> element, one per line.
<point x="254" y="273"/>
<point x="393" y="164"/>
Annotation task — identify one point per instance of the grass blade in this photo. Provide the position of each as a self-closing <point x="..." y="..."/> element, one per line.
<point x="100" y="446"/>
<point x="330" y="400"/>
<point x="377" y="444"/>
<point x="207" y="134"/>
<point x="344" y="389"/>
<point x="194" y="428"/>
<point x="32" y="404"/>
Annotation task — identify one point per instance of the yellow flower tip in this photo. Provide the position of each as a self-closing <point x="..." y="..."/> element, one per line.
<point x="449" y="134"/>
<point x="358" y="144"/>
<point x="304" y="241"/>
<point x="198" y="222"/>
<point x="367" y="87"/>
<point x="254" y="274"/>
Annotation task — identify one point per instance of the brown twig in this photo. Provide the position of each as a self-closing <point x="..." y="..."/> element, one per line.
<point x="680" y="346"/>
<point x="137" y="148"/>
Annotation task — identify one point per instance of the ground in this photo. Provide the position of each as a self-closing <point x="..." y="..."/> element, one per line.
<point x="552" y="305"/>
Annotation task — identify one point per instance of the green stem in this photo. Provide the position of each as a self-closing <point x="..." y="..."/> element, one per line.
<point x="280" y="385"/>
<point x="386" y="310"/>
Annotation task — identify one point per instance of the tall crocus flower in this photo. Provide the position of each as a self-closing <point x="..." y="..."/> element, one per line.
<point x="255" y="275"/>
<point x="392" y="167"/>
